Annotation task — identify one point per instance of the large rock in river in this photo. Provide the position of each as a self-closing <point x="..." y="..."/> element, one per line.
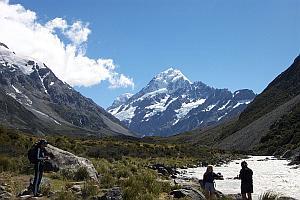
<point x="190" y="192"/>
<point x="69" y="161"/>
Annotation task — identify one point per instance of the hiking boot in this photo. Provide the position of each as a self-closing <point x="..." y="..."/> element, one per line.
<point x="38" y="195"/>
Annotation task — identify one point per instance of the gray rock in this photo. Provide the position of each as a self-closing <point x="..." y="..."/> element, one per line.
<point x="112" y="194"/>
<point x="6" y="195"/>
<point x="2" y="188"/>
<point x="76" y="188"/>
<point x="69" y="161"/>
<point x="295" y="157"/>
<point x="188" y="191"/>
<point x="235" y="196"/>
<point x="287" y="154"/>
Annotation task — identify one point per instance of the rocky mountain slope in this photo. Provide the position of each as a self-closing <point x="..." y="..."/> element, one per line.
<point x="172" y="104"/>
<point x="270" y="124"/>
<point x="32" y="98"/>
<point x="278" y="108"/>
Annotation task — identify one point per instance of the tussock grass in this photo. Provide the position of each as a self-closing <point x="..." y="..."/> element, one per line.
<point x="269" y="195"/>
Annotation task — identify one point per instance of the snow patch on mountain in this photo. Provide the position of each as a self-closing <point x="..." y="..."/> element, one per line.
<point x="224" y="106"/>
<point x="12" y="60"/>
<point x="186" y="107"/>
<point x="16" y="89"/>
<point x="158" y="107"/>
<point x="209" y="108"/>
<point x="125" y="114"/>
<point x="219" y="118"/>
<point x="241" y="103"/>
<point x="45" y="115"/>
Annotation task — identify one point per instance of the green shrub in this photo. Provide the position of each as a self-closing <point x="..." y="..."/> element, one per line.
<point x="107" y="181"/>
<point x="81" y="174"/>
<point x="55" y="176"/>
<point x="144" y="185"/>
<point x="67" y="174"/>
<point x="8" y="164"/>
<point x="46" y="189"/>
<point x="123" y="172"/>
<point x="65" y="195"/>
<point x="89" y="189"/>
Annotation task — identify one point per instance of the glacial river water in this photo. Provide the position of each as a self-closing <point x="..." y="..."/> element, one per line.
<point x="268" y="174"/>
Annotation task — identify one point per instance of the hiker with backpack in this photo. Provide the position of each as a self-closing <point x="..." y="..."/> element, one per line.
<point x="209" y="182"/>
<point x="246" y="181"/>
<point x="37" y="155"/>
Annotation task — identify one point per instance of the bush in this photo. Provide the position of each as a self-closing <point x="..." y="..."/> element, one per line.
<point x="46" y="189"/>
<point x="9" y="164"/>
<point x="81" y="174"/>
<point x="67" y="174"/>
<point x="107" y="181"/>
<point x="65" y="195"/>
<point x="123" y="172"/>
<point x="144" y="185"/>
<point x="89" y="189"/>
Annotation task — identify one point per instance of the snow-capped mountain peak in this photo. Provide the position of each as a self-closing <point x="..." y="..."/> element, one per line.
<point x="171" y="75"/>
<point x="170" y="104"/>
<point x="121" y="99"/>
<point x="169" y="80"/>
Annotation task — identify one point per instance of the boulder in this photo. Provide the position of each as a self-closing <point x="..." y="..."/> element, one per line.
<point x="69" y="161"/>
<point x="112" y="194"/>
<point x="191" y="192"/>
<point x="5" y="191"/>
<point x="165" y="170"/>
<point x="287" y="154"/>
<point x="6" y="195"/>
<point x="296" y="157"/>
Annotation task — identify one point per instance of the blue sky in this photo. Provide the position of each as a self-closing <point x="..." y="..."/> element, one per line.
<point x="226" y="44"/>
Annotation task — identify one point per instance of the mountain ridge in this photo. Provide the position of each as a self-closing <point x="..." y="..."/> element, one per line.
<point x="55" y="103"/>
<point x="269" y="125"/>
<point x="170" y="103"/>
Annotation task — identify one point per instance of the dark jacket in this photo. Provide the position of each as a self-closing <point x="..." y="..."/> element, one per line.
<point x="41" y="154"/>
<point x="209" y="177"/>
<point x="246" y="175"/>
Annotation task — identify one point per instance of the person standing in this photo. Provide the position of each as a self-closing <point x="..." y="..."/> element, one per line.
<point x="209" y="182"/>
<point x="246" y="181"/>
<point x="40" y="155"/>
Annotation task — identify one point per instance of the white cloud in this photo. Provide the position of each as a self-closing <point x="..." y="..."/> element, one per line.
<point x="57" y="23"/>
<point x="21" y="32"/>
<point x="78" y="33"/>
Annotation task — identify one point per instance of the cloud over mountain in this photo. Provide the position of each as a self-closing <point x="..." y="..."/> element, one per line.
<point x="58" y="43"/>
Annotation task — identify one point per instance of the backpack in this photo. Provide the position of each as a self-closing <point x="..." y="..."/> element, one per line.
<point x="51" y="166"/>
<point x="32" y="154"/>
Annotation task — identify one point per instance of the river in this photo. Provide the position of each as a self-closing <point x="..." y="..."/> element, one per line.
<point x="269" y="173"/>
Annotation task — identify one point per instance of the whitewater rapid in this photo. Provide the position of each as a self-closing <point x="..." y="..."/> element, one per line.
<point x="269" y="174"/>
